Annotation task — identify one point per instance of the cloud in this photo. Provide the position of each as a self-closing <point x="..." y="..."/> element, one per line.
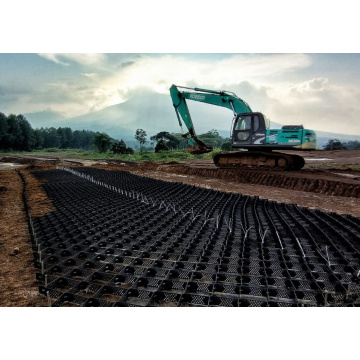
<point x="159" y="73"/>
<point x="310" y="86"/>
<point x="55" y="58"/>
<point x="317" y="103"/>
<point x="84" y="59"/>
<point x="89" y="75"/>
<point x="13" y="94"/>
<point x="113" y="79"/>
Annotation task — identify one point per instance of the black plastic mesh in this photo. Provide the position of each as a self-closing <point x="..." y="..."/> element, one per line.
<point x="117" y="239"/>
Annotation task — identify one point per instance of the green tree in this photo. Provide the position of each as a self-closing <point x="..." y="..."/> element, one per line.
<point x="182" y="144"/>
<point x="161" y="146"/>
<point x="16" y="133"/>
<point x="69" y="135"/>
<point x="212" y="138"/>
<point x="227" y="146"/>
<point x="167" y="140"/>
<point x="65" y="137"/>
<point x="81" y="139"/>
<point x="352" y="145"/>
<point x="88" y="138"/>
<point x="15" y="136"/>
<point x="51" y="138"/>
<point x="27" y="134"/>
<point x="162" y="135"/>
<point x="4" y="133"/>
<point x="140" y="136"/>
<point x="62" y="137"/>
<point x="129" y="151"/>
<point x="102" y="142"/>
<point x="334" y="144"/>
<point x="118" y="147"/>
<point x="39" y="138"/>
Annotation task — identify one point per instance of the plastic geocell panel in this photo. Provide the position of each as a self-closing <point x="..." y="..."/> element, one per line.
<point x="117" y="239"/>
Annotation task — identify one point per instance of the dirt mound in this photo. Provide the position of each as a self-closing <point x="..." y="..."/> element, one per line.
<point x="307" y="181"/>
<point x="29" y="160"/>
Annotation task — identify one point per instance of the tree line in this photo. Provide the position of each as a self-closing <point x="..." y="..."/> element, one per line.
<point x="16" y="134"/>
<point x="336" y="144"/>
<point x="164" y="141"/>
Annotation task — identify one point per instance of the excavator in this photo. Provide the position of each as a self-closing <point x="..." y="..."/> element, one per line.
<point x="251" y="133"/>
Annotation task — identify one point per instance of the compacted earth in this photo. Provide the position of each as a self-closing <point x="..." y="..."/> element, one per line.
<point x="330" y="181"/>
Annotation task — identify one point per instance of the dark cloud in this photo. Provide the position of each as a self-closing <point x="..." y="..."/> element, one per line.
<point x="125" y="64"/>
<point x="12" y="94"/>
<point x="133" y="58"/>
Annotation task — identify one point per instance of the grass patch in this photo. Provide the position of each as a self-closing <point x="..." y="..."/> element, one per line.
<point x="354" y="167"/>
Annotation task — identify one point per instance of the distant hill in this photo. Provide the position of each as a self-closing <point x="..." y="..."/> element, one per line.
<point x="45" y="119"/>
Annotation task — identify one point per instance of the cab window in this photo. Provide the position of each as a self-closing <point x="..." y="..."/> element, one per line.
<point x="244" y="123"/>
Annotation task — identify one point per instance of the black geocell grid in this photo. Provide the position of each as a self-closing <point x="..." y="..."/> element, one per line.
<point x="117" y="239"/>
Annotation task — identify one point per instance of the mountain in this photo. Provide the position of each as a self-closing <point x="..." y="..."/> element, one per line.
<point x="151" y="112"/>
<point x="45" y="119"/>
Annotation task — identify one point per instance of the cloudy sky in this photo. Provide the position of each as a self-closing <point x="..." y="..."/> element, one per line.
<point x="321" y="91"/>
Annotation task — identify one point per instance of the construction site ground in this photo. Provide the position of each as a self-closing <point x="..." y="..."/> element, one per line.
<point x="330" y="181"/>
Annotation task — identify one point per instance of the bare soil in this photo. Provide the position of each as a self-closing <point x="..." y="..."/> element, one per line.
<point x="17" y="272"/>
<point x="330" y="181"/>
<point x="329" y="185"/>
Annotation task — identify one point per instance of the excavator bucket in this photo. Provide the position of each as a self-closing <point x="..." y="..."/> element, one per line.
<point x="199" y="148"/>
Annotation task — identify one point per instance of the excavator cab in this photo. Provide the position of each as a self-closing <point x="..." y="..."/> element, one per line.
<point x="249" y="129"/>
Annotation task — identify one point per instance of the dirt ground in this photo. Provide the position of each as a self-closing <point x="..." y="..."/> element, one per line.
<point x="17" y="272"/>
<point x="330" y="181"/>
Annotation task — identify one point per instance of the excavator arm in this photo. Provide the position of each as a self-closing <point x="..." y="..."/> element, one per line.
<point x="218" y="98"/>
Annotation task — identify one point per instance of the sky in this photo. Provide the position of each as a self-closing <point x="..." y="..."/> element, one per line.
<point x="320" y="91"/>
<point x="294" y="65"/>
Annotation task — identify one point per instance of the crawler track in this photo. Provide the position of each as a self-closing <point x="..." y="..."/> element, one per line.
<point x="117" y="239"/>
<point x="258" y="159"/>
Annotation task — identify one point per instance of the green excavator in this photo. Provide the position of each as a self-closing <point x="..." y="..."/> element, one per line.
<point x="251" y="133"/>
